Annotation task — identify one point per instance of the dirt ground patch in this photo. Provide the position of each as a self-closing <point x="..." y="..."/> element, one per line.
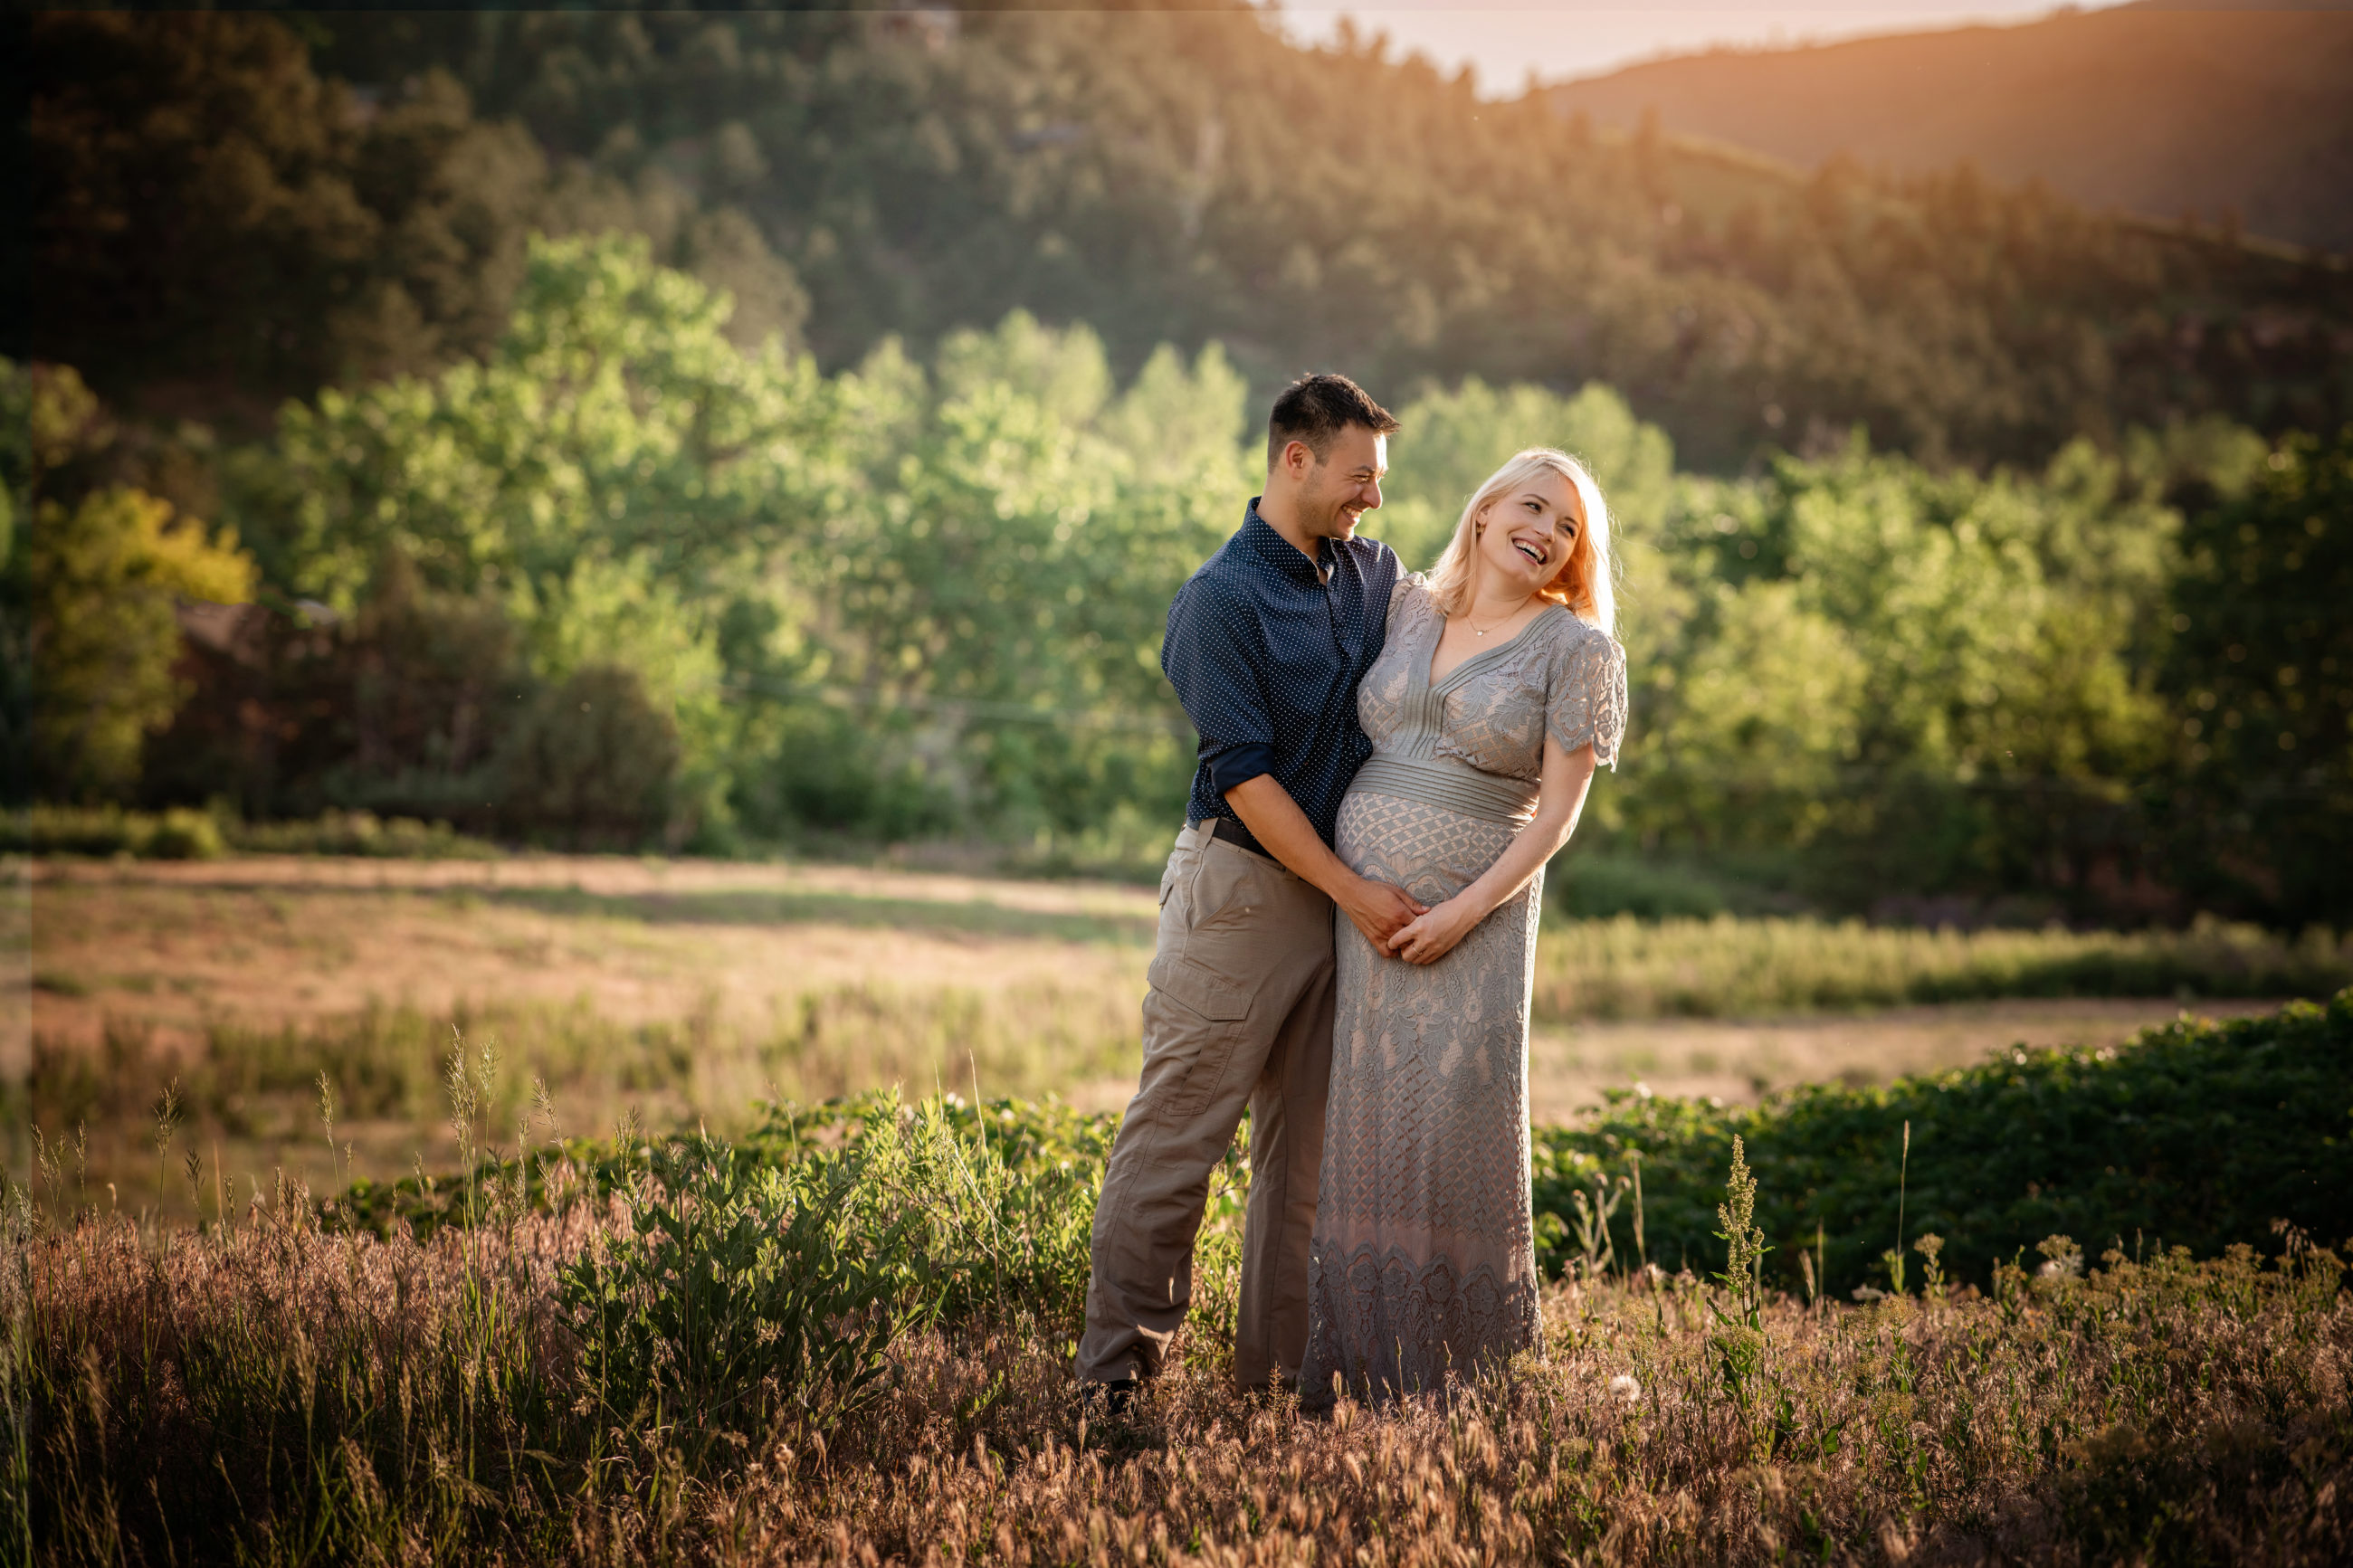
<point x="285" y="940"/>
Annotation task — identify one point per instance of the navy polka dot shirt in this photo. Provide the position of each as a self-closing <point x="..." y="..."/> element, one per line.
<point x="1265" y="648"/>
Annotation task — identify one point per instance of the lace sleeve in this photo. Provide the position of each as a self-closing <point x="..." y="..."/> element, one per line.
<point x="1585" y="703"/>
<point x="1410" y="592"/>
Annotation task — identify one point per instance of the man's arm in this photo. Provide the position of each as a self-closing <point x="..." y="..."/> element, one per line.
<point x="1275" y="819"/>
<point x="1204" y="659"/>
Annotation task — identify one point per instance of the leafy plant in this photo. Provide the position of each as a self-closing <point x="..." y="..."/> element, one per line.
<point x="763" y="1283"/>
<point x="2197" y="1134"/>
<point x="1738" y="1338"/>
<point x="1001" y="1214"/>
<point x="1893" y="1259"/>
<point x="93" y="592"/>
<point x="734" y="1299"/>
<point x="1930" y="1246"/>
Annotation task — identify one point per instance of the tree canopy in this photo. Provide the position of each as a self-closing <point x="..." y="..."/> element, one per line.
<point x="706" y="430"/>
<point x="861" y="174"/>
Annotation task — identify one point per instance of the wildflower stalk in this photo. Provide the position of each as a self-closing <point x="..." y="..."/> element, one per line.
<point x="1641" y="1253"/>
<point x="1929" y="1247"/>
<point x="1894" y="1256"/>
<point x="1740" y="1342"/>
<point x="167" y="1126"/>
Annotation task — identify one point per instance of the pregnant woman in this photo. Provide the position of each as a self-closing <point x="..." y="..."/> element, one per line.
<point x="1498" y="690"/>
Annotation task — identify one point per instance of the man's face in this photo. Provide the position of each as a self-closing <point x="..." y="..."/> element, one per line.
<point x="1335" y="494"/>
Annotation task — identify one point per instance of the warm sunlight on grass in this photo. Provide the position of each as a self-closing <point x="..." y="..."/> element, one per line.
<point x="684" y="992"/>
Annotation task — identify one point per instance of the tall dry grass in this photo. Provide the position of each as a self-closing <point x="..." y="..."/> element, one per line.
<point x="386" y="1061"/>
<point x="254" y="1090"/>
<point x="277" y="1392"/>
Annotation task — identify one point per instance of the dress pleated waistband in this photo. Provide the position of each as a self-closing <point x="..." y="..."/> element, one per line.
<point x="1443" y="781"/>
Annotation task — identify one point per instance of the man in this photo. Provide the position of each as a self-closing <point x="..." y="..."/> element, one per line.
<point x="1266" y="644"/>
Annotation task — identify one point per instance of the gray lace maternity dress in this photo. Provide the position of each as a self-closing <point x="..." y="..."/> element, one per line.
<point x="1423" y="1262"/>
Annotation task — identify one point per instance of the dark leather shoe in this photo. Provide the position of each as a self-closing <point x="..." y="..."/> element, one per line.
<point x="1113" y="1399"/>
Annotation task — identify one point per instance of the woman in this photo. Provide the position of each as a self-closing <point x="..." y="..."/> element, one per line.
<point x="1499" y="690"/>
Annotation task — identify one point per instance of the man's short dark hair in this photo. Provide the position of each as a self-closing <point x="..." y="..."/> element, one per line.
<point x="1315" y="409"/>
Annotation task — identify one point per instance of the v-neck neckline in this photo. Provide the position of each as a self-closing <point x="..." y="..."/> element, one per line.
<point x="1435" y="685"/>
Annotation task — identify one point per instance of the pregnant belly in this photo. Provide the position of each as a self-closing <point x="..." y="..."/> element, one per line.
<point x="1430" y="851"/>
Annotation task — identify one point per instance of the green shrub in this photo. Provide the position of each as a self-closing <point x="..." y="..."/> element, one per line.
<point x="1626" y="968"/>
<point x="2195" y="1134"/>
<point x="753" y="1288"/>
<point x="175" y="835"/>
<point x="363" y="833"/>
<point x="1598" y="887"/>
<point x="1009" y="1167"/>
<point x="184" y="836"/>
<point x="735" y="1297"/>
<point x="180" y="834"/>
<point x="1004" y="1200"/>
<point x="590" y="763"/>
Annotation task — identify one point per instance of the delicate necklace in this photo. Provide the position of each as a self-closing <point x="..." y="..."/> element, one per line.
<point x="1475" y="626"/>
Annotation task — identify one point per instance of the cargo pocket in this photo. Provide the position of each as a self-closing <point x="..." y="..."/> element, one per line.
<point x="1200" y="1015"/>
<point x="1213" y="996"/>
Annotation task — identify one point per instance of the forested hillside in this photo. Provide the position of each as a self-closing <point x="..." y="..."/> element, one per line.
<point x="2226" y="113"/>
<point x="718" y="431"/>
<point x="217" y="219"/>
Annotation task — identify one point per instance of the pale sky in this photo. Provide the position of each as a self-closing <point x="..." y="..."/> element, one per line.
<point x="1564" y="39"/>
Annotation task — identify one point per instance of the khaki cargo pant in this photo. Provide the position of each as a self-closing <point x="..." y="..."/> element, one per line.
<point x="1240" y="1012"/>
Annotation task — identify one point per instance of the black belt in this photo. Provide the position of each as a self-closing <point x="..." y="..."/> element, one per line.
<point x="1233" y="833"/>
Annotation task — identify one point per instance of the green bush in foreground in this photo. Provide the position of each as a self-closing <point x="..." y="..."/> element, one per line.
<point x="2196" y="1134"/>
<point x="1006" y="1189"/>
<point x="729" y="1295"/>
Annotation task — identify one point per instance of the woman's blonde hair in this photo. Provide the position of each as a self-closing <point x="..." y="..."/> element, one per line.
<point x="1582" y="583"/>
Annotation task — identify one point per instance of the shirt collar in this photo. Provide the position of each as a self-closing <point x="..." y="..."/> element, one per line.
<point x="1259" y="537"/>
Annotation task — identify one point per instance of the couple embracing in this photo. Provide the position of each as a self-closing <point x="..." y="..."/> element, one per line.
<point x="1348" y="921"/>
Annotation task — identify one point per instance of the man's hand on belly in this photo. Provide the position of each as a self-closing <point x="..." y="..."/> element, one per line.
<point x="1378" y="910"/>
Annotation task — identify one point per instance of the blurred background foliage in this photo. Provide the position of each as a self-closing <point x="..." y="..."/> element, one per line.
<point x="714" y="431"/>
<point x="232" y="208"/>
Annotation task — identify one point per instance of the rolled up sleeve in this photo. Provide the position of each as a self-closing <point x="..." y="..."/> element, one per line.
<point x="1206" y="658"/>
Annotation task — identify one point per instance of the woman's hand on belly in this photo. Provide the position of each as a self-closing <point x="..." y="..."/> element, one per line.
<point x="1430" y="936"/>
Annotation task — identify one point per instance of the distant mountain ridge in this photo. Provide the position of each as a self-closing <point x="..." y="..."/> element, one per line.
<point x="2219" y="110"/>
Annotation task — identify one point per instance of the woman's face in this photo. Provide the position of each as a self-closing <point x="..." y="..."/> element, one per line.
<point x="1526" y="536"/>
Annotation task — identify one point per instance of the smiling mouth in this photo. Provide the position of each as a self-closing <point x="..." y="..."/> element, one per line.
<point x="1530" y="551"/>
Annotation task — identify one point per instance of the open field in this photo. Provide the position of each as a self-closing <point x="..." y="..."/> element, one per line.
<point x="846" y="1337"/>
<point x="624" y="1382"/>
<point x="685" y="991"/>
<point x="1738" y="1060"/>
